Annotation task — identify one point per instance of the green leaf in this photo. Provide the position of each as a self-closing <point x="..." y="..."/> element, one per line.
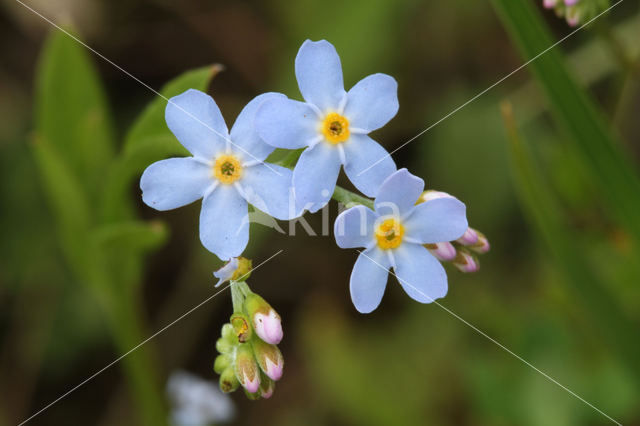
<point x="576" y="113"/>
<point x="133" y="235"/>
<point x="71" y="111"/>
<point x="68" y="203"/>
<point x="151" y="124"/>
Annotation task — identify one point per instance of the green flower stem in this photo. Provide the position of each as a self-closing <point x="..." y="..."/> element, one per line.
<point x="239" y="291"/>
<point x="350" y="199"/>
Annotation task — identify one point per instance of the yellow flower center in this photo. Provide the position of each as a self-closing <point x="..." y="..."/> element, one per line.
<point x="227" y="169"/>
<point x="335" y="128"/>
<point x="389" y="234"/>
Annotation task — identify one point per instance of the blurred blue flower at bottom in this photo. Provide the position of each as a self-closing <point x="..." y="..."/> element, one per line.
<point x="197" y="402"/>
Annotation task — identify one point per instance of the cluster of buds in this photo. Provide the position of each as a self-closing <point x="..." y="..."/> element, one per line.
<point x="577" y="11"/>
<point x="249" y="356"/>
<point x="461" y="253"/>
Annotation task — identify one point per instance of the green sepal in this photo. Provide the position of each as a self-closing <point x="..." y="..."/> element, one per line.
<point x="241" y="326"/>
<point x="222" y="362"/>
<point x="228" y="380"/>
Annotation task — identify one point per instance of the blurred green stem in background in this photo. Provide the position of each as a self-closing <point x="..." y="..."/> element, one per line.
<point x="545" y="214"/>
<point x="576" y="113"/>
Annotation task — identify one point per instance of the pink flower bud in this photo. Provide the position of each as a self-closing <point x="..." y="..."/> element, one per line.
<point x="573" y="20"/>
<point x="265" y="320"/>
<point x="549" y="4"/>
<point x="444" y="252"/>
<point x="570" y="2"/>
<point x="482" y="245"/>
<point x="269" y="358"/>
<point x="246" y="369"/>
<point x="268" y="327"/>
<point x="466" y="262"/>
<point x="469" y="238"/>
<point x="267" y="386"/>
<point x="433" y="195"/>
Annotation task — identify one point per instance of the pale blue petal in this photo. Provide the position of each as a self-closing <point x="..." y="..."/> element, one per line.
<point x="173" y="183"/>
<point x="372" y="102"/>
<point x="420" y="274"/>
<point x="315" y="176"/>
<point x="195" y="119"/>
<point x="398" y="193"/>
<point x="437" y="221"/>
<point x="319" y="74"/>
<point x="367" y="164"/>
<point x="269" y="188"/>
<point x="224" y="222"/>
<point x="225" y="273"/>
<point x="354" y="227"/>
<point x="284" y="123"/>
<point x="247" y="143"/>
<point x="369" y="279"/>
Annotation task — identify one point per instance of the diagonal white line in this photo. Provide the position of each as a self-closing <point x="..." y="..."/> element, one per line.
<point x="112" y="363"/>
<point x="500" y="345"/>
<point x="226" y="138"/>
<point x="492" y="86"/>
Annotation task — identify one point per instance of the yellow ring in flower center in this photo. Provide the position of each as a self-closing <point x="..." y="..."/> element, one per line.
<point x="227" y="169"/>
<point x="335" y="128"/>
<point x="389" y="234"/>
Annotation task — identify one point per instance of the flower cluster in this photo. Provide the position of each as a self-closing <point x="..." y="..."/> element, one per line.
<point x="458" y="252"/>
<point x="248" y="352"/>
<point x="402" y="229"/>
<point x="577" y="11"/>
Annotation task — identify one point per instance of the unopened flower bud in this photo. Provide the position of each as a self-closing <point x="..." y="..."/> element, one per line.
<point x="246" y="368"/>
<point x="466" y="262"/>
<point x="442" y="251"/>
<point x="241" y="327"/>
<point x="224" y="346"/>
<point x="265" y="320"/>
<point x="269" y="358"/>
<point x="469" y="238"/>
<point x="228" y="380"/>
<point x="267" y="386"/>
<point x="252" y="396"/>
<point x="482" y="245"/>
<point x="228" y="333"/>
<point x="222" y="362"/>
<point x="573" y="16"/>
<point x="549" y="4"/>
<point x="228" y="341"/>
<point x="433" y="195"/>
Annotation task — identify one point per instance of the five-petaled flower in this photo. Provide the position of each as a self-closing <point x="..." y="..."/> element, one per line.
<point x="333" y="125"/>
<point x="227" y="171"/>
<point x="393" y="237"/>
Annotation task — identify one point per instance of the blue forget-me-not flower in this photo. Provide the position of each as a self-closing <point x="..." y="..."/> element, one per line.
<point x="393" y="236"/>
<point x="227" y="171"/>
<point x="333" y="125"/>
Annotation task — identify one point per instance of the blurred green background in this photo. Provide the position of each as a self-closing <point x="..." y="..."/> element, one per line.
<point x="546" y="163"/>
